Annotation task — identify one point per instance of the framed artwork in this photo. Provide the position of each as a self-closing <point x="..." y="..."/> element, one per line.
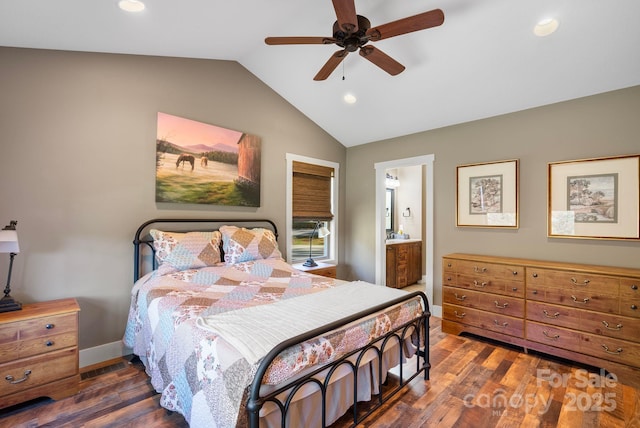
<point x="487" y="194"/>
<point x="198" y="163"/>
<point x="594" y="198"/>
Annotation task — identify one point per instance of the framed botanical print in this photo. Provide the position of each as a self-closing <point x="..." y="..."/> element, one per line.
<point x="594" y="198"/>
<point x="487" y="194"/>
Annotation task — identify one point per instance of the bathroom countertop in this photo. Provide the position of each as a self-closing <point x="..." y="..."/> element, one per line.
<point x="401" y="241"/>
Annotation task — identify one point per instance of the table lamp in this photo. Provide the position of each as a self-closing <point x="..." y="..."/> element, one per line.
<point x="9" y="244"/>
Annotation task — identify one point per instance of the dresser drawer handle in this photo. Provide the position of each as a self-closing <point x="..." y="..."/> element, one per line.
<point x="461" y="298"/>
<point x="617" y="327"/>
<point x="554" y="337"/>
<point x="634" y="307"/>
<point x="585" y="300"/>
<point x="503" y="325"/>
<point x="479" y="270"/>
<point x="575" y="281"/>
<point x="49" y="326"/>
<point x="535" y="275"/>
<point x="49" y="343"/>
<point x="515" y="272"/>
<point x="448" y="264"/>
<point x="634" y="287"/>
<point x="555" y="315"/>
<point x="616" y="352"/>
<point x="479" y="284"/>
<point x="499" y="306"/>
<point x="459" y="316"/>
<point x="9" y="378"/>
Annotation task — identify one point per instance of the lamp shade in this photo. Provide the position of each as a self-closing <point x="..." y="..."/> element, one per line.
<point x="9" y="241"/>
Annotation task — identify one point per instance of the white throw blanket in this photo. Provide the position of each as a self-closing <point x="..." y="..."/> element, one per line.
<point x="255" y="330"/>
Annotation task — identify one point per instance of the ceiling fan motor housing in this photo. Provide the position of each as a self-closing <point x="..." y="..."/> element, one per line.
<point x="351" y="41"/>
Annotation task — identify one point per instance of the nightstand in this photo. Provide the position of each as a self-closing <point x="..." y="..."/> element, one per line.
<point x="39" y="352"/>
<point x="323" y="269"/>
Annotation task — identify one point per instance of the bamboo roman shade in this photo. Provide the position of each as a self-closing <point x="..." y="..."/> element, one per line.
<point x="311" y="191"/>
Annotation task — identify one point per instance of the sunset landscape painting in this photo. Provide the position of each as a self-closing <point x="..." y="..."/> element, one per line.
<point x="199" y="163"/>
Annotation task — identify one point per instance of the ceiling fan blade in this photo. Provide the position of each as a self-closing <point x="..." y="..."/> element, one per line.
<point x="299" y="40"/>
<point x="422" y="21"/>
<point x="382" y="60"/>
<point x="346" y="14"/>
<point x="331" y="65"/>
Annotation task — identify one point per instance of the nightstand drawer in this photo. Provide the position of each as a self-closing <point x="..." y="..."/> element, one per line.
<point x="31" y="372"/>
<point x="47" y="326"/>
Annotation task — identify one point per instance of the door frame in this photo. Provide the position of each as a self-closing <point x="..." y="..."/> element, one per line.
<point x="428" y="212"/>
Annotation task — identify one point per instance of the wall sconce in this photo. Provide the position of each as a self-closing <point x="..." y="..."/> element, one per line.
<point x="391" y="181"/>
<point x="322" y="232"/>
<point x="406" y="212"/>
<point x="9" y="244"/>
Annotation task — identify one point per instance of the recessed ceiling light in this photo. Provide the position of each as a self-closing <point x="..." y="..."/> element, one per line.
<point x="350" y="99"/>
<point x="545" y="27"/>
<point x="131" y="5"/>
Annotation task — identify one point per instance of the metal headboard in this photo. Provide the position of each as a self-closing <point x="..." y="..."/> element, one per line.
<point x="142" y="237"/>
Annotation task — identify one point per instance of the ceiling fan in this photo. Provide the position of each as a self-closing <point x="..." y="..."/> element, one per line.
<point x="352" y="32"/>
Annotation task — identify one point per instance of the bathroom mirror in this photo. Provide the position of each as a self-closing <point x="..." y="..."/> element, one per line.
<point x="389" y="211"/>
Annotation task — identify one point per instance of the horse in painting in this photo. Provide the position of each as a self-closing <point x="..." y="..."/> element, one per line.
<point x="186" y="158"/>
<point x="204" y="161"/>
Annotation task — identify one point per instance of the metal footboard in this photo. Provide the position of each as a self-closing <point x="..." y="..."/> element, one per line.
<point x="418" y="326"/>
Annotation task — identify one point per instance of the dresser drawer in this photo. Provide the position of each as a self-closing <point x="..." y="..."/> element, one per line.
<point x="574" y="281"/>
<point x="485" y="320"/>
<point x="609" y="325"/>
<point x="484" y="301"/>
<point x="554" y="336"/>
<point x="36" y="371"/>
<point x="491" y="285"/>
<point x="582" y="299"/>
<point x="510" y="272"/>
<point x="630" y="297"/>
<point x="620" y="351"/>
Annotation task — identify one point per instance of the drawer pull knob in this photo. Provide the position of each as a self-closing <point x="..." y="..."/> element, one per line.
<point x="461" y="297"/>
<point x="534" y="292"/>
<point x="514" y="289"/>
<point x="575" y="281"/>
<point x="479" y="284"/>
<point x="634" y="307"/>
<point x="585" y="300"/>
<point x="616" y="352"/>
<point x="634" y="287"/>
<point x="49" y="343"/>
<point x="503" y="306"/>
<point x="552" y="337"/>
<point x="448" y="264"/>
<point x="49" y="326"/>
<point x="535" y="275"/>
<point x="555" y="315"/>
<point x="617" y="327"/>
<point x="515" y="272"/>
<point x="10" y="379"/>
<point x="449" y="278"/>
<point x="503" y="325"/>
<point x="459" y="316"/>
<point x="479" y="270"/>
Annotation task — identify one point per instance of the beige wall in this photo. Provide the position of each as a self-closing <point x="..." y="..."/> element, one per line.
<point x="597" y="126"/>
<point x="77" y="138"/>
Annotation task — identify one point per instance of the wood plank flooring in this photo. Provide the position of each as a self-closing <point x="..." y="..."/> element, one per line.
<point x="474" y="383"/>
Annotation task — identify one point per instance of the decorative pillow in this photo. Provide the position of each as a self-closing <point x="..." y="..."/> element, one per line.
<point x="243" y="245"/>
<point x="190" y="250"/>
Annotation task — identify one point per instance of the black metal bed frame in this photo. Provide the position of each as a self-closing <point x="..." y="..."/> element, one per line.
<point x="418" y="326"/>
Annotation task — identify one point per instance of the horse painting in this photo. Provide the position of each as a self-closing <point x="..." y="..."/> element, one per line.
<point x="186" y="158"/>
<point x="204" y="161"/>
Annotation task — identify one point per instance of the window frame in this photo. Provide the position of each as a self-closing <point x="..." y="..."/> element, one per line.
<point x="333" y="224"/>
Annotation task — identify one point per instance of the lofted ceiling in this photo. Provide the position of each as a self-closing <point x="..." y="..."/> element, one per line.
<point x="483" y="61"/>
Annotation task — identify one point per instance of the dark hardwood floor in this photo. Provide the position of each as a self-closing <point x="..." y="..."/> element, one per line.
<point x="474" y="383"/>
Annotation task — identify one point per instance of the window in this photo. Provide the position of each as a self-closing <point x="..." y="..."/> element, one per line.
<point x="311" y="205"/>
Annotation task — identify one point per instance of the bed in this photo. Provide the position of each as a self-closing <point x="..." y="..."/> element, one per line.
<point x="232" y="335"/>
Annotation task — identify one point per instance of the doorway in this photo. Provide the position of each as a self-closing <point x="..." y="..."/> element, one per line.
<point x="381" y="168"/>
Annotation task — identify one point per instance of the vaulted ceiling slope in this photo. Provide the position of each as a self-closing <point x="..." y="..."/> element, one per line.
<point x="484" y="60"/>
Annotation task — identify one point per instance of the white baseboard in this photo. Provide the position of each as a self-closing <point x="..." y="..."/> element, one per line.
<point x="436" y="311"/>
<point x="106" y="352"/>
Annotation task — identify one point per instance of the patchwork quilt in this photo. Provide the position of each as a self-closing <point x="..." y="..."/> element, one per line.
<point x="202" y="376"/>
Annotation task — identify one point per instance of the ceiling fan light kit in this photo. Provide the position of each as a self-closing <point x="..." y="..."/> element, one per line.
<point x="352" y="32"/>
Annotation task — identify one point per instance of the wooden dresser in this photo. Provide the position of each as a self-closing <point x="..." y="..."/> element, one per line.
<point x="585" y="313"/>
<point x="39" y="352"/>
<point x="404" y="264"/>
<point x="323" y="269"/>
